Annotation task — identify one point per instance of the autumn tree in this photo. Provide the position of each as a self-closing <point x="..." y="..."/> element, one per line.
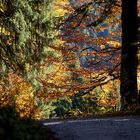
<point x="70" y="47"/>
<point x="98" y="55"/>
<point x="129" y="50"/>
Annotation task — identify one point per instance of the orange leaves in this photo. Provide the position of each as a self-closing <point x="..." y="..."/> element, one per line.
<point x="62" y="71"/>
<point x="6" y="97"/>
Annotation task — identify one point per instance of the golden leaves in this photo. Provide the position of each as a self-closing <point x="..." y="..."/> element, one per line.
<point x="25" y="104"/>
<point x="14" y="91"/>
<point x="4" y="31"/>
<point x="61" y="7"/>
<point x="116" y="44"/>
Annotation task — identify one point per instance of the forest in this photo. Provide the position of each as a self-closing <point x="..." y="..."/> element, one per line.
<point x="68" y="58"/>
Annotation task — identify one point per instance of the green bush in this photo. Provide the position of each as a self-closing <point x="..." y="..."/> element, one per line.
<point x="74" y="106"/>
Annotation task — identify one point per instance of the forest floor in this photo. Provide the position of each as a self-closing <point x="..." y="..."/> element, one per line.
<point x="97" y="128"/>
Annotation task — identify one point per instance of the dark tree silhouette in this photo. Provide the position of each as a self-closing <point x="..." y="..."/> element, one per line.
<point x="129" y="60"/>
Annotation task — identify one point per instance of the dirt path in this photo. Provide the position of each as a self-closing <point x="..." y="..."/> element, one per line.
<point x="116" y="128"/>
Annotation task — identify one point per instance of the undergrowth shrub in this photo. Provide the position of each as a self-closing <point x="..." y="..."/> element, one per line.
<point x="12" y="127"/>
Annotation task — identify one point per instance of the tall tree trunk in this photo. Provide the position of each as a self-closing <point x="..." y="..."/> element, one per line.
<point x="129" y="60"/>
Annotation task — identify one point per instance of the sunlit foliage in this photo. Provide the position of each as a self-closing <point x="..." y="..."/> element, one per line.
<point x="60" y="58"/>
<point x="16" y="92"/>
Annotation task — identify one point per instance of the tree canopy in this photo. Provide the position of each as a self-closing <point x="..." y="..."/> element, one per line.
<point x="57" y="55"/>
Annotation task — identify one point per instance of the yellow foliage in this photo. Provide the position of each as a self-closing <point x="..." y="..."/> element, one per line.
<point x="61" y="7"/>
<point x="24" y="105"/>
<point x="4" y="31"/>
<point x="58" y="42"/>
<point x="109" y="96"/>
<point x="14" y="91"/>
<point x="114" y="43"/>
<point x="27" y="67"/>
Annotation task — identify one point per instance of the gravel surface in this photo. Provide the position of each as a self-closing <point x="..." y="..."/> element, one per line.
<point x="108" y="128"/>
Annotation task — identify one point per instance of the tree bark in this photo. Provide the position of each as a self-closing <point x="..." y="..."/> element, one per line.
<point x="129" y="60"/>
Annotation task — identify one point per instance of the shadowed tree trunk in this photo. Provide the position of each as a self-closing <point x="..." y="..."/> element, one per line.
<point x="129" y="60"/>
